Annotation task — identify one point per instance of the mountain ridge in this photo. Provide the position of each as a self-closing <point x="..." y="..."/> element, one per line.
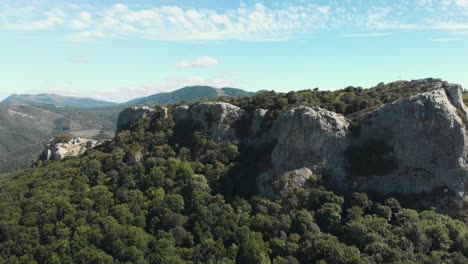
<point x="57" y="100"/>
<point x="189" y="94"/>
<point x="178" y="185"/>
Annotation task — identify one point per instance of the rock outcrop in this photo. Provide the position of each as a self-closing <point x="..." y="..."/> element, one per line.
<point x="131" y="115"/>
<point x="422" y="145"/>
<point x="306" y="137"/>
<point x="215" y="119"/>
<point x="71" y="148"/>
<point x="414" y="145"/>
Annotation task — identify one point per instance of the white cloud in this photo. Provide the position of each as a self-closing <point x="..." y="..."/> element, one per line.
<point x="462" y="3"/>
<point x="83" y="21"/>
<point x="449" y="25"/>
<point x="445" y="39"/>
<point x="256" y="22"/>
<point x="53" y="18"/>
<point x="79" y="60"/>
<point x="201" y="62"/>
<point x="365" y="35"/>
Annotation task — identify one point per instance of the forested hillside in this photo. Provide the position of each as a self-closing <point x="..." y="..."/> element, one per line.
<point x="163" y="193"/>
<point x="189" y="94"/>
<point x="25" y="129"/>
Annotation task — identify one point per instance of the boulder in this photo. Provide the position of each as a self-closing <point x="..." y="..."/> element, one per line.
<point x="74" y="147"/>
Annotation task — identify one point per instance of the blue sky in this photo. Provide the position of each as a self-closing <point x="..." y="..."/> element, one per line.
<point x="122" y="50"/>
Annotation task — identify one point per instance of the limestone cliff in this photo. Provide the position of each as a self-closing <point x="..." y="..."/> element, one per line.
<point x="131" y="115"/>
<point x="215" y="119"/>
<point x="414" y="145"/>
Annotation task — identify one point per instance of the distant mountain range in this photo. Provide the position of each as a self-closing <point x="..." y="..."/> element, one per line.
<point x="27" y="121"/>
<point x="185" y="94"/>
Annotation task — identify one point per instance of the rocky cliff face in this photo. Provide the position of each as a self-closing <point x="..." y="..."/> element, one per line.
<point x="216" y="120"/>
<point x="131" y="115"/>
<point x="73" y="147"/>
<point x="308" y="139"/>
<point x="421" y="145"/>
<point x="414" y="145"/>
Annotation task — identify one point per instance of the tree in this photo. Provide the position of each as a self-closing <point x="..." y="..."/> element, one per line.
<point x="253" y="250"/>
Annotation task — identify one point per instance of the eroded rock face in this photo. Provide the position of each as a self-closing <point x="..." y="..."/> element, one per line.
<point x="131" y="115"/>
<point x="257" y="120"/>
<point x="181" y="113"/>
<point x="414" y="145"/>
<point x="420" y="144"/>
<point x="75" y="147"/>
<point x="215" y="119"/>
<point x="311" y="138"/>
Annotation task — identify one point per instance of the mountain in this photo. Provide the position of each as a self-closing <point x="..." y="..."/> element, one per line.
<point x="256" y="180"/>
<point x="188" y="94"/>
<point x="26" y="127"/>
<point x="57" y="100"/>
<point x="27" y="122"/>
<point x="404" y="138"/>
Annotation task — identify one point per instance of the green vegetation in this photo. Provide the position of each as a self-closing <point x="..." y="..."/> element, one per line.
<point x="189" y="94"/>
<point x="57" y="100"/>
<point x="26" y="128"/>
<point x="148" y="197"/>
<point x="348" y="101"/>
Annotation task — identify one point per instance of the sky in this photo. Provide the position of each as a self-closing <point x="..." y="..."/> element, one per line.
<point x="120" y="50"/>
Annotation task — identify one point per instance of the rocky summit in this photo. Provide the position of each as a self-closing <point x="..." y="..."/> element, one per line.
<point x="414" y="145"/>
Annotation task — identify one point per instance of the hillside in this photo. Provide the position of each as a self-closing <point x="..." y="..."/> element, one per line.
<point x="25" y="128"/>
<point x="57" y="100"/>
<point x="184" y="184"/>
<point x="29" y="121"/>
<point x="188" y="94"/>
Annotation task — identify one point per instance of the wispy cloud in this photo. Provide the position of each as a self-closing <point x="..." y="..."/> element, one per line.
<point x="201" y="62"/>
<point x="52" y="18"/>
<point x="445" y="39"/>
<point x="366" y="35"/>
<point x="79" y="59"/>
<point x="256" y="22"/>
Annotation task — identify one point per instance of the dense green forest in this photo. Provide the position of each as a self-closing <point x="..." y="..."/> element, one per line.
<point x="162" y="193"/>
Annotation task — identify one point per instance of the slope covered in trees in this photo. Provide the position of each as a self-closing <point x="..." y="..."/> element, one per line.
<point x="159" y="193"/>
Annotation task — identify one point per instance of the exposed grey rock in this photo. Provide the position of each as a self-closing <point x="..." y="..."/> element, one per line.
<point x="420" y="144"/>
<point x="164" y="113"/>
<point x="75" y="147"/>
<point x="216" y="119"/>
<point x="455" y="95"/>
<point x="131" y="115"/>
<point x="428" y="143"/>
<point x="257" y="119"/>
<point x="307" y="137"/>
<point x="181" y="113"/>
<point x="414" y="145"/>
